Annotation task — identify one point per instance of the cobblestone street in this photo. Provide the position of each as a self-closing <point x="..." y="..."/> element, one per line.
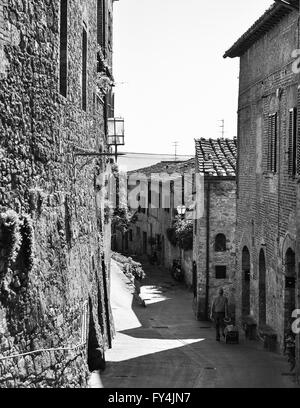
<point x="164" y="346"/>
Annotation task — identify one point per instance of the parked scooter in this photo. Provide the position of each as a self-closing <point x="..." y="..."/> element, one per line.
<point x="176" y="270"/>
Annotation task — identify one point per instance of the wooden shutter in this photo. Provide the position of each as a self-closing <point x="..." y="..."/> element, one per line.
<point x="63" y="55"/>
<point x="292" y="151"/>
<point x="269" y="158"/>
<point x="272" y="143"/>
<point x="100" y="22"/>
<point x="297" y="144"/>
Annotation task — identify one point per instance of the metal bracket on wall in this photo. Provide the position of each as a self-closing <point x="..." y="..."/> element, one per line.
<point x="287" y="4"/>
<point x="92" y="155"/>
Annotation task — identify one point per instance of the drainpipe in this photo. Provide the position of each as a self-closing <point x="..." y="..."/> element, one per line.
<point x="207" y="249"/>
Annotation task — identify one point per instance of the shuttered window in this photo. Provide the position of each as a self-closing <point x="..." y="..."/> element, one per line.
<point x="272" y="143"/>
<point x="100" y="22"/>
<point x="84" y="69"/>
<point x="63" y="56"/>
<point x="297" y="144"/>
<point x="292" y="150"/>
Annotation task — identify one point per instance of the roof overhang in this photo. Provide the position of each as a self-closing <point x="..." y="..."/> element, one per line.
<point x="265" y="23"/>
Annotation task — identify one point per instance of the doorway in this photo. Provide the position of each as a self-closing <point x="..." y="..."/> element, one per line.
<point x="290" y="288"/>
<point x="262" y="289"/>
<point x="245" y="282"/>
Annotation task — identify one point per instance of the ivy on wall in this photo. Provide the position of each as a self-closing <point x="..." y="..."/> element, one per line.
<point x="16" y="245"/>
<point x="181" y="233"/>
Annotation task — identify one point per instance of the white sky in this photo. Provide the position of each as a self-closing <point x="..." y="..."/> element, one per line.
<point x="172" y="81"/>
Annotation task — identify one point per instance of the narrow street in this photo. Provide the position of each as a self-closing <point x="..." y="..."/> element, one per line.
<point x="162" y="345"/>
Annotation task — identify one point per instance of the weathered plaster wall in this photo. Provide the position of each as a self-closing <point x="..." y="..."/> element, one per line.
<point x="53" y="303"/>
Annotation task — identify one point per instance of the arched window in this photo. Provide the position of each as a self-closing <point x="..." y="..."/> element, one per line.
<point x="220" y="243"/>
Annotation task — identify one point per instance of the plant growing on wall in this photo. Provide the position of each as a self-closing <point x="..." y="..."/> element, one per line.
<point x="133" y="270"/>
<point x="108" y="212"/>
<point x="122" y="216"/>
<point x="181" y="233"/>
<point x="104" y="81"/>
<point x="184" y="233"/>
<point x="10" y="238"/>
<point x="171" y="235"/>
<point x="16" y="242"/>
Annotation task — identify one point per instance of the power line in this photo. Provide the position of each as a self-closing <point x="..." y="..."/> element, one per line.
<point x="159" y="157"/>
<point x="158" y="154"/>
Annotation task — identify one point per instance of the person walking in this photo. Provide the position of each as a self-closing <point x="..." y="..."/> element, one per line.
<point x="219" y="312"/>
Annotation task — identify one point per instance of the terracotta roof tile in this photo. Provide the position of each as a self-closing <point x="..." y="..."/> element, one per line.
<point x="216" y="157"/>
<point x="168" y="167"/>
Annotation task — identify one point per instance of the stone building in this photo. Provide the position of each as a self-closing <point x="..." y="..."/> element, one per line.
<point x="268" y="169"/>
<point x="214" y="228"/>
<point x="55" y="80"/>
<point x="148" y="233"/>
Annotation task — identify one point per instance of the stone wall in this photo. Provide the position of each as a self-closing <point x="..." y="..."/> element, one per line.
<point x="266" y="201"/>
<point x="221" y="208"/>
<point x="61" y="300"/>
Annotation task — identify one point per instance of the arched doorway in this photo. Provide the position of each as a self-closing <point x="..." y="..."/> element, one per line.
<point x="290" y="287"/>
<point x="245" y="282"/>
<point x="262" y="289"/>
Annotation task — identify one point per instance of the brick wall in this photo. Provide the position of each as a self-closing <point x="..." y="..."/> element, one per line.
<point x="222" y="219"/>
<point x="266" y="201"/>
<point x="64" y="296"/>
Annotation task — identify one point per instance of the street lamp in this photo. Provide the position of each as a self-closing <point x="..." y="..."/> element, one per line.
<point x="115" y="133"/>
<point x="181" y="209"/>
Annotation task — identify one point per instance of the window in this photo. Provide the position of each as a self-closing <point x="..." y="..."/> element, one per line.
<point x="272" y="143"/>
<point x="221" y="272"/>
<point x="84" y="69"/>
<point x="110" y="31"/>
<point x="220" y="243"/>
<point x="100" y="22"/>
<point x="63" y="54"/>
<point x="298" y="136"/>
<point x="292" y="151"/>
